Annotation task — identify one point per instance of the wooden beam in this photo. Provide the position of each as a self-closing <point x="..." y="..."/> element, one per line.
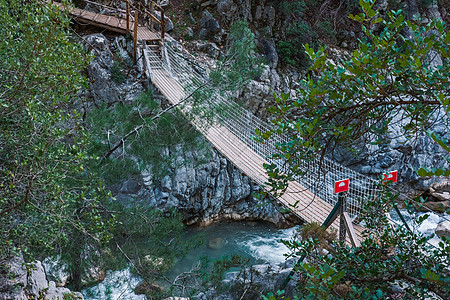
<point x="128" y="17"/>
<point x="162" y="24"/>
<point x="151" y="18"/>
<point x="351" y="231"/>
<point x="136" y="18"/>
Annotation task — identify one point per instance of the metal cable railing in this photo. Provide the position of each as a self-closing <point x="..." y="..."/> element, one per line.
<point x="319" y="175"/>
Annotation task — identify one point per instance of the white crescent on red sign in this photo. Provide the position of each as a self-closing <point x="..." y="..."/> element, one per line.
<point x="341" y="186"/>
<point x="392" y="176"/>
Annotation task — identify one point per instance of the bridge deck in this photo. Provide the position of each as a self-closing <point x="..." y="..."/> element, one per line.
<point x="308" y="207"/>
<point x="112" y="23"/>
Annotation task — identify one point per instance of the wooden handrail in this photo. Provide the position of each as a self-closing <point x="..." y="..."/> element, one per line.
<point x="153" y="17"/>
<point x="128" y="17"/>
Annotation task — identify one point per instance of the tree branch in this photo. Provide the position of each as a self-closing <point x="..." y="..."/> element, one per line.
<point x="25" y="199"/>
<point x="138" y="128"/>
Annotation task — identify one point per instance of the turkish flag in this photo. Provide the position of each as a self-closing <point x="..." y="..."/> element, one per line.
<point x="341" y="186"/>
<point x="392" y="176"/>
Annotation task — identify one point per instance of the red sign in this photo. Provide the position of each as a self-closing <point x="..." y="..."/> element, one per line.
<point x="341" y="186"/>
<point x="392" y="176"/>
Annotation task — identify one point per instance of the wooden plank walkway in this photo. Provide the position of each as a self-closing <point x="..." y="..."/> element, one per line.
<point x="301" y="201"/>
<point x="112" y="23"/>
<point x="309" y="208"/>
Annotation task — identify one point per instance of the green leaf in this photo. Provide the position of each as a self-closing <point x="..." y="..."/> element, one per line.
<point x="422" y="172"/>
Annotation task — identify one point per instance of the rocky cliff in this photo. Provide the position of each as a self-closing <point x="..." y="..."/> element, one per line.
<point x="21" y="281"/>
<point x="204" y="187"/>
<point x="281" y="26"/>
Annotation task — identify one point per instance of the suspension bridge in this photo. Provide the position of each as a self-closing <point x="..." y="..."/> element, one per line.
<point x="311" y="196"/>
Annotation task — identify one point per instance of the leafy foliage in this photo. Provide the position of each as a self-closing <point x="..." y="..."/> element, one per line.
<point x="147" y="150"/>
<point x="311" y="22"/>
<point x="356" y="100"/>
<point x="388" y="256"/>
<point x="53" y="201"/>
<point x="241" y="63"/>
<point x="389" y="77"/>
<point x="154" y="241"/>
<point x="47" y="194"/>
<point x="291" y="49"/>
<point x="117" y="74"/>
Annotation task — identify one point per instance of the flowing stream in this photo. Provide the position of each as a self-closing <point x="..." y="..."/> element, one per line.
<point x="258" y="241"/>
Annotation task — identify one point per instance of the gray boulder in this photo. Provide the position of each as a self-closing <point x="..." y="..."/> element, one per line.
<point x="102" y="88"/>
<point x="256" y="280"/>
<point x="227" y="7"/>
<point x="209" y="24"/>
<point x="204" y="193"/>
<point x="21" y="281"/>
<point x="210" y="48"/>
<point x="203" y="34"/>
<point x="37" y="281"/>
<point x="443" y="229"/>
<point x="269" y="15"/>
<point x="270" y="52"/>
<point x="13" y="279"/>
<point x="190" y="32"/>
<point x="168" y="24"/>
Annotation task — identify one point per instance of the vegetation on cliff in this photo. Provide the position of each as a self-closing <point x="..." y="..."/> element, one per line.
<point x="390" y="74"/>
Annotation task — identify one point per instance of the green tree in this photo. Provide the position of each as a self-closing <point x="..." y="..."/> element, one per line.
<point x="149" y="131"/>
<point x="355" y="100"/>
<point x="52" y="200"/>
<point x="46" y="192"/>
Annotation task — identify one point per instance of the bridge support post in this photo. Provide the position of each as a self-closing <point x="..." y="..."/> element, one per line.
<point x="342" y="201"/>
<point x="163" y="24"/>
<point x="152" y="8"/>
<point x="128" y="17"/>
<point x="136" y="19"/>
<point x="345" y="222"/>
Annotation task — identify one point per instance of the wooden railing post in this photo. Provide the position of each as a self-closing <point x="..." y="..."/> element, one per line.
<point x="136" y="18"/>
<point x="128" y="17"/>
<point x="152" y="8"/>
<point x="162" y="24"/>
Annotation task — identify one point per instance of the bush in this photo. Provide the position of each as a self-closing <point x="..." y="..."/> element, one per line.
<point x="291" y="48"/>
<point x="117" y="72"/>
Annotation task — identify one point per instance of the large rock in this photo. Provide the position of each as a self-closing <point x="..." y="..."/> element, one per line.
<point x="204" y="193"/>
<point x="227" y="7"/>
<point x="210" y="48"/>
<point x="269" y="15"/>
<point x="270" y="52"/>
<point x="443" y="229"/>
<point x="56" y="270"/>
<point x="102" y="88"/>
<point x="168" y="24"/>
<point x="37" y="281"/>
<point x="267" y="278"/>
<point x="399" y="153"/>
<point x="257" y="96"/>
<point x="13" y="279"/>
<point x="210" y="26"/>
<point x="61" y="293"/>
<point x="437" y="206"/>
<point x="20" y="281"/>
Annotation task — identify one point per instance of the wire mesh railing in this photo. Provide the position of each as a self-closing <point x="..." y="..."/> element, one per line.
<point x="318" y="175"/>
